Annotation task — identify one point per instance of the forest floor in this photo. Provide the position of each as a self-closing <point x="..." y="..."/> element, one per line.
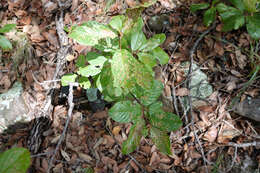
<point x="215" y="139"/>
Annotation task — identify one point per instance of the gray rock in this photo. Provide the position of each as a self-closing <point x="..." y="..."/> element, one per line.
<point x="12" y="107"/>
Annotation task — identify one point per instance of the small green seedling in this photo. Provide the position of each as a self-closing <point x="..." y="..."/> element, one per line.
<point x="123" y="71"/>
<point x="242" y="12"/>
<point x="5" y="44"/>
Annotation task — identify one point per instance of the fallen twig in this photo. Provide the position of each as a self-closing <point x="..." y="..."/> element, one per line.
<point x="250" y="144"/>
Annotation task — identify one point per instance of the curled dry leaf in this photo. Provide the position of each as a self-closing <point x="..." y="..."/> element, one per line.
<point x="85" y="157"/>
<point x="116" y="130"/>
<point x="211" y="134"/>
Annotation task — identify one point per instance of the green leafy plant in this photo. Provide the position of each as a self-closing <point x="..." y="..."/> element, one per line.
<point x="5" y="44"/>
<point x="123" y="71"/>
<point x="234" y="16"/>
<point x="15" y="160"/>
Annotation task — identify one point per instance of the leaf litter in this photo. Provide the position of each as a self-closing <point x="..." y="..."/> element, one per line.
<point x="94" y="140"/>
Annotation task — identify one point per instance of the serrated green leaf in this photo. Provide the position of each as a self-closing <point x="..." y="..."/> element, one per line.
<point x="5" y="44"/>
<point x="84" y="82"/>
<point x="238" y="4"/>
<point x="138" y="39"/>
<point x="165" y="121"/>
<point x="125" y="111"/>
<point x="201" y="6"/>
<point x="232" y="19"/>
<point x="148" y="96"/>
<point x="117" y="22"/>
<point x="161" y="140"/>
<point x="81" y="61"/>
<point x="108" y="44"/>
<point x="7" y="28"/>
<point x="253" y="26"/>
<point x="161" y="55"/>
<point x="134" y="137"/>
<point x="68" y="78"/>
<point x="153" y="42"/>
<point x="127" y="71"/>
<point x="15" y="160"/>
<point x="90" y="33"/>
<point x="147" y="59"/>
<point x="209" y="16"/>
<point x="250" y="5"/>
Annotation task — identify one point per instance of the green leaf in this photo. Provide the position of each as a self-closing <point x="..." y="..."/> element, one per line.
<point x="7" y="28"/>
<point x="165" y="121"/>
<point x="201" y="6"/>
<point x="117" y="22"/>
<point x="92" y="94"/>
<point x="109" y="4"/>
<point x="209" y="16"/>
<point x="253" y="26"/>
<point x="232" y="18"/>
<point x="127" y="71"/>
<point x="5" y="44"/>
<point x="84" y="82"/>
<point x="68" y="78"/>
<point x="138" y="39"/>
<point x="134" y="137"/>
<point x="125" y="111"/>
<point x="90" y="33"/>
<point x="89" y="170"/>
<point x="250" y="5"/>
<point x="15" y="160"/>
<point x="95" y="60"/>
<point x="238" y="4"/>
<point x="108" y="44"/>
<point x="89" y="70"/>
<point x="149" y="96"/>
<point x="161" y="55"/>
<point x="153" y="42"/>
<point x="81" y="61"/>
<point x="161" y="140"/>
<point x="215" y="2"/>
<point x="147" y="59"/>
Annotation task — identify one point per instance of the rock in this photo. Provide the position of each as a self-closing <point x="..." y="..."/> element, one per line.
<point x="12" y="107"/>
<point x="200" y="87"/>
<point x="159" y="23"/>
<point x="250" y="108"/>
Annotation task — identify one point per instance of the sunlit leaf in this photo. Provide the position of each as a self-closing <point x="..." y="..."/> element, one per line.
<point x="84" y="82"/>
<point x="15" y="160"/>
<point x="138" y="39"/>
<point x="68" y="78"/>
<point x="7" y="28"/>
<point x="147" y="59"/>
<point x="117" y="22"/>
<point x="81" y="61"/>
<point x="90" y="33"/>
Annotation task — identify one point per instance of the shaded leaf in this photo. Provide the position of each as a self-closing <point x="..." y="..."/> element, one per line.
<point x="68" y="78"/>
<point x="7" y="28"/>
<point x="81" y="61"/>
<point x="138" y="39"/>
<point x="15" y="160"/>
<point x="5" y="44"/>
<point x="147" y="59"/>
<point x="161" y="140"/>
<point x="250" y="5"/>
<point x="165" y="121"/>
<point x="253" y="26"/>
<point x="161" y="55"/>
<point x="209" y="16"/>
<point x="89" y="33"/>
<point x="125" y="111"/>
<point x="201" y="6"/>
<point x="238" y="4"/>
<point x="117" y="22"/>
<point x="153" y="42"/>
<point x="134" y="137"/>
